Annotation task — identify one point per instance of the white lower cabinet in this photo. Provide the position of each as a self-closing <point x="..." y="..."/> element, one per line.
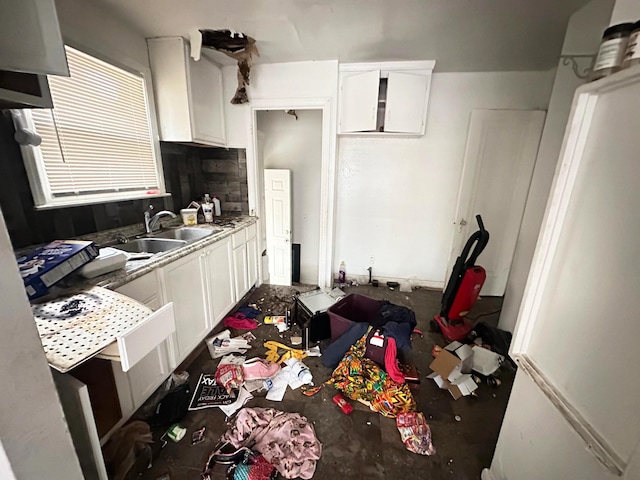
<point x="140" y="381"/>
<point x="240" y="270"/>
<point x="185" y="285"/>
<point x="220" y="280"/>
<point x="252" y="261"/>
<point x="245" y="259"/>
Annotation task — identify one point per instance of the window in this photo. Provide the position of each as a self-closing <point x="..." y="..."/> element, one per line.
<point x="97" y="142"/>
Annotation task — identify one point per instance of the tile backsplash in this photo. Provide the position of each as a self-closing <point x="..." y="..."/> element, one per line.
<point x="190" y="171"/>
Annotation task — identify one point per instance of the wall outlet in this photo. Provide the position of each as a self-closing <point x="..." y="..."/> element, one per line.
<point x="372" y="260"/>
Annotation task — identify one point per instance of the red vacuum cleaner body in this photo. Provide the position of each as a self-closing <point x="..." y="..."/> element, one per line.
<point x="463" y="288"/>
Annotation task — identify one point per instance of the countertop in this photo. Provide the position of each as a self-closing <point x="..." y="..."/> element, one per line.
<point x="137" y="268"/>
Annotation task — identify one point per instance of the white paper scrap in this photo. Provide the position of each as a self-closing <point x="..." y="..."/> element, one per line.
<point x="243" y="397"/>
<point x="280" y="384"/>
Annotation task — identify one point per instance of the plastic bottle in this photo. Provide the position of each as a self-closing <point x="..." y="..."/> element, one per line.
<point x="207" y="209"/>
<point x="342" y="273"/>
<point x="216" y="206"/>
<point x="301" y="370"/>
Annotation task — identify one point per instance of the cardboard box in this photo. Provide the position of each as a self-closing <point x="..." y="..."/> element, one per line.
<point x="452" y="368"/>
<point x="47" y="265"/>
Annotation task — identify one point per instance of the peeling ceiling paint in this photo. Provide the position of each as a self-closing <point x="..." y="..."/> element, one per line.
<point x="461" y="35"/>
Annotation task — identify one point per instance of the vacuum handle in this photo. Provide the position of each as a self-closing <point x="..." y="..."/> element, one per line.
<point x="480" y="223"/>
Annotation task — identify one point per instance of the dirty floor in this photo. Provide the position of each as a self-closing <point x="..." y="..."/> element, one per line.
<point x="364" y="444"/>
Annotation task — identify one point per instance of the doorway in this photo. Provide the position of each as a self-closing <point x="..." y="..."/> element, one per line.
<point x="291" y="140"/>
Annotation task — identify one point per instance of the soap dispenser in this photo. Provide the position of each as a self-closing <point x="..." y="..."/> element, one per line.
<point x="207" y="209"/>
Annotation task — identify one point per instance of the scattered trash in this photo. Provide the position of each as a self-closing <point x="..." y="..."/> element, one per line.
<point x="176" y="432"/>
<point x="209" y="394"/>
<point x="458" y="418"/>
<point x="486" y="362"/>
<point x="374" y="283"/>
<point x="393" y="285"/>
<point x="198" y="436"/>
<point x="259" y="369"/>
<point x="286" y="440"/>
<point x="240" y="321"/>
<point x="274" y="356"/>
<point x="280" y="321"/>
<point x="452" y="372"/>
<point x="450" y="461"/>
<point x="415" y="433"/>
<point x="310" y="391"/>
<point x="222" y="344"/>
<point x="313" y="351"/>
<point x="229" y="376"/>
<point x="164" y="477"/>
<point x="344" y="405"/>
<point x="127" y="447"/>
<point x="368" y="423"/>
<point x="493" y="382"/>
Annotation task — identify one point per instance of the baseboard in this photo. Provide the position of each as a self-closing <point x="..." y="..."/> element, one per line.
<point x="407" y="282"/>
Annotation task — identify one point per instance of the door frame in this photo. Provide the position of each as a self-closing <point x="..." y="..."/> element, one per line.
<point x="570" y="160"/>
<point x="255" y="178"/>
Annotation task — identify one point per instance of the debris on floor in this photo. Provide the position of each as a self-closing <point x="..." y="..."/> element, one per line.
<point x="415" y="433"/>
<point x="222" y="344"/>
<point x="286" y="440"/>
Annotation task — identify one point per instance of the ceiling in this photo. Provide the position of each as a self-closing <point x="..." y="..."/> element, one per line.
<point x="461" y="35"/>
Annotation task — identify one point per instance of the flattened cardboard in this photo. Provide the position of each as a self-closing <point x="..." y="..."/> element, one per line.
<point x="451" y="372"/>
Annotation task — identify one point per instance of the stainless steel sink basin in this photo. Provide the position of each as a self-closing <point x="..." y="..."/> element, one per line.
<point x="185" y="233"/>
<point x="151" y="245"/>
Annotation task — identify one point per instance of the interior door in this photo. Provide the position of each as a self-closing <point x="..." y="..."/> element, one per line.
<point x="502" y="146"/>
<point x="277" y="189"/>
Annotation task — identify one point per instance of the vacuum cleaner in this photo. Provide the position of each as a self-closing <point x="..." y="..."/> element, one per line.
<point x="463" y="288"/>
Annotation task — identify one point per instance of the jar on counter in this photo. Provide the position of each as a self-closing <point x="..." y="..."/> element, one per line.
<point x="632" y="53"/>
<point x="612" y="50"/>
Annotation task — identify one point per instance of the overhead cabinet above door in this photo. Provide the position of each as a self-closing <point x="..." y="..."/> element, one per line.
<point x="385" y="98"/>
<point x="188" y="94"/>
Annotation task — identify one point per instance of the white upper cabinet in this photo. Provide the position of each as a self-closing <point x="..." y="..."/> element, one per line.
<point x="384" y="98"/>
<point x="188" y="94"/>
<point x="30" y="38"/>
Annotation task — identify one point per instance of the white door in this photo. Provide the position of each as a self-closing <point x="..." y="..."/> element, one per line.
<point x="502" y="146"/>
<point x="359" y="102"/>
<point x="277" y="189"/>
<point x="573" y="411"/>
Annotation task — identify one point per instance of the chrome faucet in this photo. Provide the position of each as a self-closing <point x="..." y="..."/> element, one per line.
<point x="151" y="222"/>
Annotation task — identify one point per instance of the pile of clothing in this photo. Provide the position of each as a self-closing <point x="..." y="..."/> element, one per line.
<point x="267" y="440"/>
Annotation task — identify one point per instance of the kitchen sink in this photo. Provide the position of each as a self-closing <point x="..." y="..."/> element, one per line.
<point x="185" y="233"/>
<point x="151" y="245"/>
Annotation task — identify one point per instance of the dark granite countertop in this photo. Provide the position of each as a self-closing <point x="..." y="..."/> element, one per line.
<point x="225" y="226"/>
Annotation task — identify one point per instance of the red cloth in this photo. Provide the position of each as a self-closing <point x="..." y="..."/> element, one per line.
<point x="240" y="322"/>
<point x="390" y="362"/>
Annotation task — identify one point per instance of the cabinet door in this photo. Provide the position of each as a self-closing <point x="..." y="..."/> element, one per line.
<point x="185" y="286"/>
<point x="220" y="275"/>
<point x="252" y="261"/>
<point x="359" y="102"/>
<point x="240" y="270"/>
<point x="207" y="113"/>
<point x="31" y="39"/>
<point x="405" y="110"/>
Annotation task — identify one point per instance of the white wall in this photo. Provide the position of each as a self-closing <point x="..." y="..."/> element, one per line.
<point x="396" y="197"/>
<point x="625" y="11"/>
<point x="34" y="433"/>
<point x="296" y="145"/>
<point x="92" y="26"/>
<point x="536" y="442"/>
<point x="583" y="37"/>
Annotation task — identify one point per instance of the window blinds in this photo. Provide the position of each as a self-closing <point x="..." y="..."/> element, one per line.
<point x="97" y="139"/>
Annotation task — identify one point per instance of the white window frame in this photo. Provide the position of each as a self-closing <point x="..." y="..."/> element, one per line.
<point x="34" y="163"/>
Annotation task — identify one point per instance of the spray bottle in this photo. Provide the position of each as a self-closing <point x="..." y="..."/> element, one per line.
<point x="342" y="273"/>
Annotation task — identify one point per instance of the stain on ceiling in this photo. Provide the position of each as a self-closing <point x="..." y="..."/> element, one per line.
<point x="461" y="35"/>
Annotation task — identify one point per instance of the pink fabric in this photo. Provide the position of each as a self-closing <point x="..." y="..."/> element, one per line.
<point x="286" y="440"/>
<point x="240" y="322"/>
<point x="390" y="362"/>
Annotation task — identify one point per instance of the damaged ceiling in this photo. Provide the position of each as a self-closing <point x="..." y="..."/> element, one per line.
<point x="461" y="35"/>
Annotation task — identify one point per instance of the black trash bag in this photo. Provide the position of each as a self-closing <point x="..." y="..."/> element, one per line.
<point x="128" y="452"/>
<point x="173" y="407"/>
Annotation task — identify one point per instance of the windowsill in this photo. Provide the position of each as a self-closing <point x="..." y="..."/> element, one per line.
<point x="80" y="202"/>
